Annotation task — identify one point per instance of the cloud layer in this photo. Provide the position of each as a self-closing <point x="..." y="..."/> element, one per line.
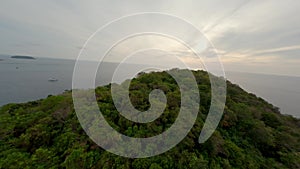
<point x="250" y="35"/>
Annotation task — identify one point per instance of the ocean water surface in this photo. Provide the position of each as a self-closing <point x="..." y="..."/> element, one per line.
<point x="23" y="80"/>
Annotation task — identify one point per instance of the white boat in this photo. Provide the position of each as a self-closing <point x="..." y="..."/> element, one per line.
<point x="52" y="80"/>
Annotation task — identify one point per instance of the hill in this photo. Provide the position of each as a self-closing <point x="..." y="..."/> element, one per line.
<point x="252" y="133"/>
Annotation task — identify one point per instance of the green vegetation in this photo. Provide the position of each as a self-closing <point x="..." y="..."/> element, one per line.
<point x="251" y="134"/>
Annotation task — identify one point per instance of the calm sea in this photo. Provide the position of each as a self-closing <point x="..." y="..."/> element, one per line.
<point x="281" y="91"/>
<point x="23" y="80"/>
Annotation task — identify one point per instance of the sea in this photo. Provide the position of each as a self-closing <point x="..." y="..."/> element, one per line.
<point x="23" y="80"/>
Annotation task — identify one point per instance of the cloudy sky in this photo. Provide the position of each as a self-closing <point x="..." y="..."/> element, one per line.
<point x="249" y="35"/>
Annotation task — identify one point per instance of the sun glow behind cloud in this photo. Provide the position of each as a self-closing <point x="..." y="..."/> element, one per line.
<point x="250" y="35"/>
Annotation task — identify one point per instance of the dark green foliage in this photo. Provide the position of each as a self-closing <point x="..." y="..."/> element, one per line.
<point x="252" y="133"/>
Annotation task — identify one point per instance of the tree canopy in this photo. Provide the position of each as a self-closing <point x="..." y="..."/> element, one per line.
<point x="252" y="133"/>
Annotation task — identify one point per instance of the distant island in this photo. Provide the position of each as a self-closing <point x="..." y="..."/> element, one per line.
<point x="22" y="57"/>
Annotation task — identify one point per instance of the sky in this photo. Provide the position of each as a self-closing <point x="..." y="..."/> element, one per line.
<point x="249" y="35"/>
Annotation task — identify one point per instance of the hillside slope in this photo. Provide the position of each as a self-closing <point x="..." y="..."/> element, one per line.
<point x="252" y="133"/>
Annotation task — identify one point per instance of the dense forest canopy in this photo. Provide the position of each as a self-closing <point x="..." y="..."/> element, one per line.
<point x="252" y="133"/>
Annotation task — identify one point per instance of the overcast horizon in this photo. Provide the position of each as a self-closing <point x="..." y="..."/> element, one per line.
<point x="250" y="35"/>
